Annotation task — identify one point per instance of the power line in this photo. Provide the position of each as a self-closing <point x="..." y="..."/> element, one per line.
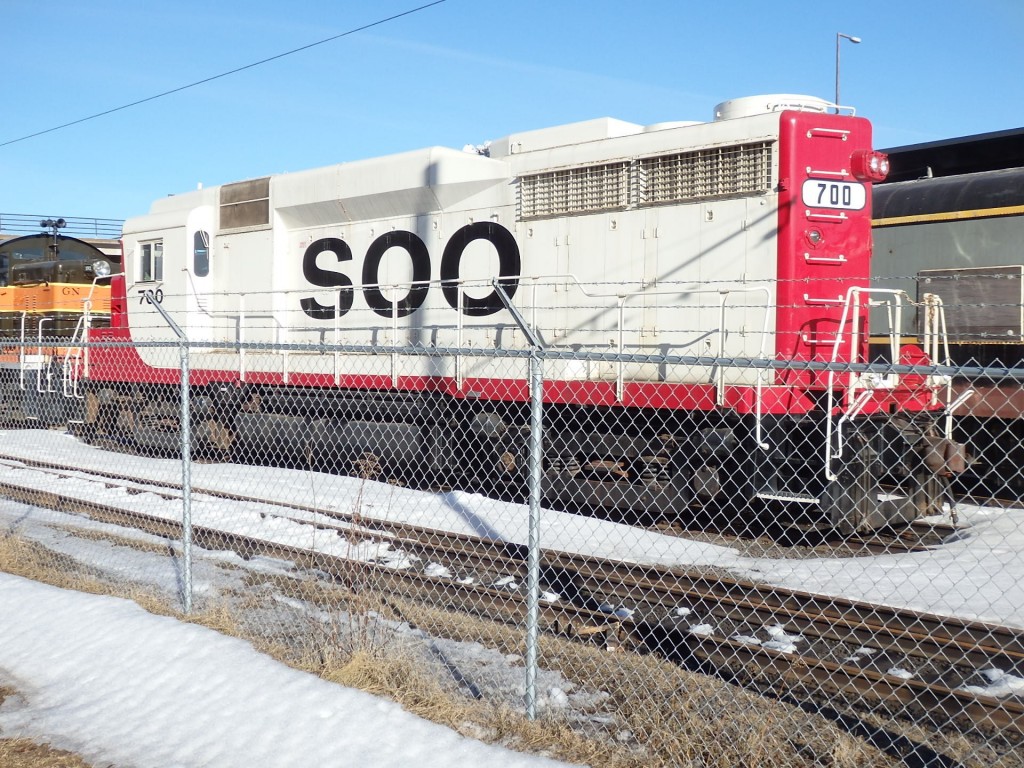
<point x="225" y="74"/>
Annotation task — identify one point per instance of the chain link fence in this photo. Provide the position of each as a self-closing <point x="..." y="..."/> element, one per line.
<point x="658" y="559"/>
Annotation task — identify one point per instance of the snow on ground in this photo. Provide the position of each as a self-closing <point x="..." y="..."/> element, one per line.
<point x="103" y="678"/>
<point x="134" y="689"/>
<point x="1000" y="683"/>
<point x="976" y="574"/>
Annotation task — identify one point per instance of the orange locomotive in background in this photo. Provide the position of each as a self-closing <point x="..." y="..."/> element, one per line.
<point x="53" y="288"/>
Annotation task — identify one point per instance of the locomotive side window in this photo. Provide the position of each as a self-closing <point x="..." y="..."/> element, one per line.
<point x="151" y="261"/>
<point x="201" y="254"/>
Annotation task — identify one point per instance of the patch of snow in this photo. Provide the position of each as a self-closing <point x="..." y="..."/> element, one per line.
<point x="746" y="639"/>
<point x="1000" y="684"/>
<point x="900" y="672"/>
<point x="438" y="570"/>
<point x="148" y="691"/>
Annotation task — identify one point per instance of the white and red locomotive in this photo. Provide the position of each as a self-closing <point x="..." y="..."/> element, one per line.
<point x="747" y="238"/>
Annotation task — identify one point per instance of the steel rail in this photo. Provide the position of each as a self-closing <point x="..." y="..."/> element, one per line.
<point x="864" y="621"/>
<point x="926" y="700"/>
<point x="493" y="602"/>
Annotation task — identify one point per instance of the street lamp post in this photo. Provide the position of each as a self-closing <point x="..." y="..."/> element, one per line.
<point x="839" y="37"/>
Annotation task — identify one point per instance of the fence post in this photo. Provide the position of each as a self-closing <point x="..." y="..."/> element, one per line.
<point x="186" y="480"/>
<point x="535" y="468"/>
<point x="533" y="539"/>
<point x="186" y="455"/>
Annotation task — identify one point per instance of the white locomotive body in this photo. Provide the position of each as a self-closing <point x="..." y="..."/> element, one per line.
<point x="612" y="238"/>
<point x="745" y="238"/>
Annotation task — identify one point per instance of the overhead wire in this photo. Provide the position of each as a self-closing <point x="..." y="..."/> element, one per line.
<point x="210" y="79"/>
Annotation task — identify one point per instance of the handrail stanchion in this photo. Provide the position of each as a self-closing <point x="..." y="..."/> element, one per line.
<point x="394" y="341"/>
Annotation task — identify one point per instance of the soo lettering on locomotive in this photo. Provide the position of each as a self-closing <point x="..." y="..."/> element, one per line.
<point x="697" y="287"/>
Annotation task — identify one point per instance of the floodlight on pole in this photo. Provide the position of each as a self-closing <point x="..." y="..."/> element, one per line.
<point x="839" y="38"/>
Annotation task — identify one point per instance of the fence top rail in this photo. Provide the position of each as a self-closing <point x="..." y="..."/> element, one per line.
<point x="548" y="354"/>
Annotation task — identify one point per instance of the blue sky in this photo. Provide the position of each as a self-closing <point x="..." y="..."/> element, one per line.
<point x="461" y="72"/>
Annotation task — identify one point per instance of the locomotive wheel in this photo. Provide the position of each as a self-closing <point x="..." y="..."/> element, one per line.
<point x="220" y="439"/>
<point x="92" y="408"/>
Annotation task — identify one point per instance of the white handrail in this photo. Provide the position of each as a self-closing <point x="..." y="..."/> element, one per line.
<point x="243" y="316"/>
<point x="853" y="295"/>
<point x="77" y="350"/>
<point x="935" y="337"/>
<point x="723" y="295"/>
<point x="39" y="351"/>
<point x="21" y="352"/>
<point x="72" y="355"/>
<point x="394" y="342"/>
<point x="460" y="292"/>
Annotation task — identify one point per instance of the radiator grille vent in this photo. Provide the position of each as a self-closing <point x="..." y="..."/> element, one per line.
<point x="574" y="190"/>
<point x="706" y="173"/>
<point x="703" y="174"/>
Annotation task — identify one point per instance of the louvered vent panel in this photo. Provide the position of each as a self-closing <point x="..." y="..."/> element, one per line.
<point x="574" y="190"/>
<point x="703" y="174"/>
<point x="706" y="173"/>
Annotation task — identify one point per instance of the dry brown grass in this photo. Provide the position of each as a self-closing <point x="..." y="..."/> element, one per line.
<point x="141" y="545"/>
<point x="22" y="753"/>
<point x="679" y="718"/>
<point x="22" y="557"/>
<point x="675" y="718"/>
<point x="671" y="717"/>
<point x="31" y="560"/>
<point x="402" y="677"/>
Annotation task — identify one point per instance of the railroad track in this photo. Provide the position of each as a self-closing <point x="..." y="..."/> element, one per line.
<point x="652" y="594"/>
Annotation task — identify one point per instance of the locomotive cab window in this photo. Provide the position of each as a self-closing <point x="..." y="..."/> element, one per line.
<point x="151" y="261"/>
<point x="201" y="254"/>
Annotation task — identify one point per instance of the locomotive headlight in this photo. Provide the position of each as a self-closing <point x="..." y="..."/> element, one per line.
<point x="101" y="268"/>
<point x="869" y="166"/>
